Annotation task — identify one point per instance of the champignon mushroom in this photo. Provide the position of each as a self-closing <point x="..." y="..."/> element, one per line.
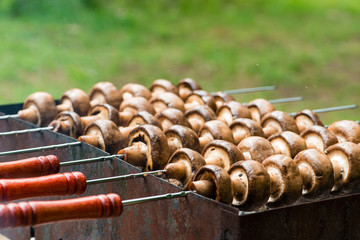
<point x="133" y="105"/>
<point x="259" y="108"/>
<point x="74" y="100"/>
<point x="277" y="121"/>
<point x="186" y="87"/>
<point x="213" y="182"/>
<point x="167" y="100"/>
<point x="256" y="148"/>
<point x="243" y="127"/>
<point x="131" y="90"/>
<point x="221" y="98"/>
<point x="181" y="137"/>
<point x="285" y="180"/>
<point x="221" y="153"/>
<point x="160" y="86"/>
<point x="345" y="159"/>
<point x="139" y="118"/>
<point x="105" y="92"/>
<point x="346" y="131"/>
<point x="212" y="130"/>
<point x="182" y="166"/>
<point x="307" y="118"/>
<point x="68" y="123"/>
<point x="316" y="172"/>
<point x="200" y="97"/>
<point x="232" y="110"/>
<point x="147" y="148"/>
<point x="287" y="143"/>
<point x="198" y="115"/>
<point x="251" y="185"/>
<point x="171" y="116"/>
<point x="39" y="108"/>
<point x="103" y="134"/>
<point x="101" y="111"/>
<point x="318" y="137"/>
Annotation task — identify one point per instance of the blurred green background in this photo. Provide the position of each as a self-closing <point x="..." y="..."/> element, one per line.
<point x="306" y="48"/>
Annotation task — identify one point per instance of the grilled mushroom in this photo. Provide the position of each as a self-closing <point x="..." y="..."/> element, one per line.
<point x="346" y="131"/>
<point x="133" y="105"/>
<point x="131" y="90"/>
<point x="105" y="92"/>
<point x="39" y="108"/>
<point x="186" y="87"/>
<point x="287" y="143"/>
<point x="259" y="108"/>
<point x="232" y="110"/>
<point x="74" y="100"/>
<point x="68" y="123"/>
<point x="167" y="100"/>
<point x="212" y="130"/>
<point x="277" y="121"/>
<point x="256" y="148"/>
<point x="160" y="86"/>
<point x="198" y="115"/>
<point x="101" y="111"/>
<point x="171" y="116"/>
<point x="221" y="98"/>
<point x="200" y="97"/>
<point x="140" y="118"/>
<point x="307" y="118"/>
<point x="182" y="137"/>
<point x="318" y="137"/>
<point x="243" y="127"/>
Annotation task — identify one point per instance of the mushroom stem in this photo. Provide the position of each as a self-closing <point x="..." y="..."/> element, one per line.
<point x="274" y="184"/>
<point x="65" y="106"/>
<point x="29" y="114"/>
<point x="125" y="117"/>
<point x="135" y="154"/>
<point x="90" y="139"/>
<point x="176" y="170"/>
<point x="338" y="172"/>
<point x="125" y="131"/>
<point x="173" y="145"/>
<point x="239" y="188"/>
<point x="63" y="127"/>
<point x="215" y="160"/>
<point x="268" y="131"/>
<point x="85" y="121"/>
<point x="205" y="139"/>
<point x="239" y="134"/>
<point x="306" y="176"/>
<point x="205" y="188"/>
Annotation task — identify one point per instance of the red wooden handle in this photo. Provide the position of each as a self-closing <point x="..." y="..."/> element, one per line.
<point x="51" y="185"/>
<point x="33" y="213"/>
<point x="30" y="167"/>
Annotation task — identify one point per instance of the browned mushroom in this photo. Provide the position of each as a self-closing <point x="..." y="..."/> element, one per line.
<point x="39" y="108"/>
<point x="101" y="111"/>
<point x="160" y="86"/>
<point x="147" y="148"/>
<point x="133" y="105"/>
<point x="232" y="110"/>
<point x="256" y="148"/>
<point x="285" y="180"/>
<point x="221" y="98"/>
<point x="243" y="127"/>
<point x="212" y="130"/>
<point x="307" y="118"/>
<point x="318" y="137"/>
<point x="131" y="90"/>
<point x="221" y="153"/>
<point x="171" y="116"/>
<point x="277" y="121"/>
<point x="316" y="172"/>
<point x="139" y="118"/>
<point x="287" y="143"/>
<point x="346" y="131"/>
<point x="213" y="182"/>
<point x="182" y="137"/>
<point x="259" y="108"/>
<point x="182" y="166"/>
<point x="74" y="100"/>
<point x="68" y="123"/>
<point x="167" y="100"/>
<point x="251" y="185"/>
<point x="105" y="92"/>
<point x="345" y="159"/>
<point x="200" y="97"/>
<point x="103" y="134"/>
<point x="198" y="115"/>
<point x="186" y="87"/>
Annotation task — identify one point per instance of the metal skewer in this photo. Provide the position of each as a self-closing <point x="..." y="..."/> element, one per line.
<point x="155" y="198"/>
<point x="282" y="100"/>
<point x="31" y="130"/>
<point x="91" y="160"/>
<point x="248" y="90"/>
<point x="330" y="109"/>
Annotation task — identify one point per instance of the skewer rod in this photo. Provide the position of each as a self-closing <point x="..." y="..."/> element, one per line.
<point x="9" y="116"/>
<point x="63" y="145"/>
<point x="330" y="109"/>
<point x="282" y="100"/>
<point x="26" y="131"/>
<point x="155" y="198"/>
<point x="91" y="160"/>
<point x="248" y="90"/>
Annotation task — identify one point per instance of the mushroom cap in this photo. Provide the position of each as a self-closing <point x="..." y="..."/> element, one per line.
<point x="221" y="98"/>
<point x="162" y="85"/>
<point x="232" y="110"/>
<point x="318" y="137"/>
<point x="45" y="105"/>
<point x="258" y="108"/>
<point x="225" y="150"/>
<point x="172" y="116"/>
<point x="187" y="86"/>
<point x="80" y="101"/>
<point x="256" y="148"/>
<point x="198" y="115"/>
<point x="287" y="143"/>
<point x="200" y="97"/>
<point x="307" y="118"/>
<point x="279" y="120"/>
<point x="244" y="127"/>
<point x="141" y="118"/>
<point x="218" y="130"/>
<point x="221" y="178"/>
<point x="137" y="104"/>
<point x="106" y="91"/>
<point x="155" y="139"/>
<point x="76" y="125"/>
<point x="167" y="100"/>
<point x="346" y="131"/>
<point x="319" y="166"/>
<point x="286" y="170"/>
<point x="106" y="111"/>
<point x="194" y="161"/>
<point x="346" y="157"/>
<point x="257" y="181"/>
<point x="186" y="136"/>
<point x="130" y="90"/>
<point x="111" y="139"/>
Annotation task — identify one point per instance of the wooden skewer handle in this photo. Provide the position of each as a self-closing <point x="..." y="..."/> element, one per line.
<point x="52" y="185"/>
<point x="30" y="167"/>
<point x="39" y="212"/>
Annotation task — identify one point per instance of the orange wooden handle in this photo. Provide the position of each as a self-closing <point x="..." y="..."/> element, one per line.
<point x="30" y="167"/>
<point x="51" y="185"/>
<point x="33" y="213"/>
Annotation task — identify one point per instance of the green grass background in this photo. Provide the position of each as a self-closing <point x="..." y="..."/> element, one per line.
<point x="306" y="48"/>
